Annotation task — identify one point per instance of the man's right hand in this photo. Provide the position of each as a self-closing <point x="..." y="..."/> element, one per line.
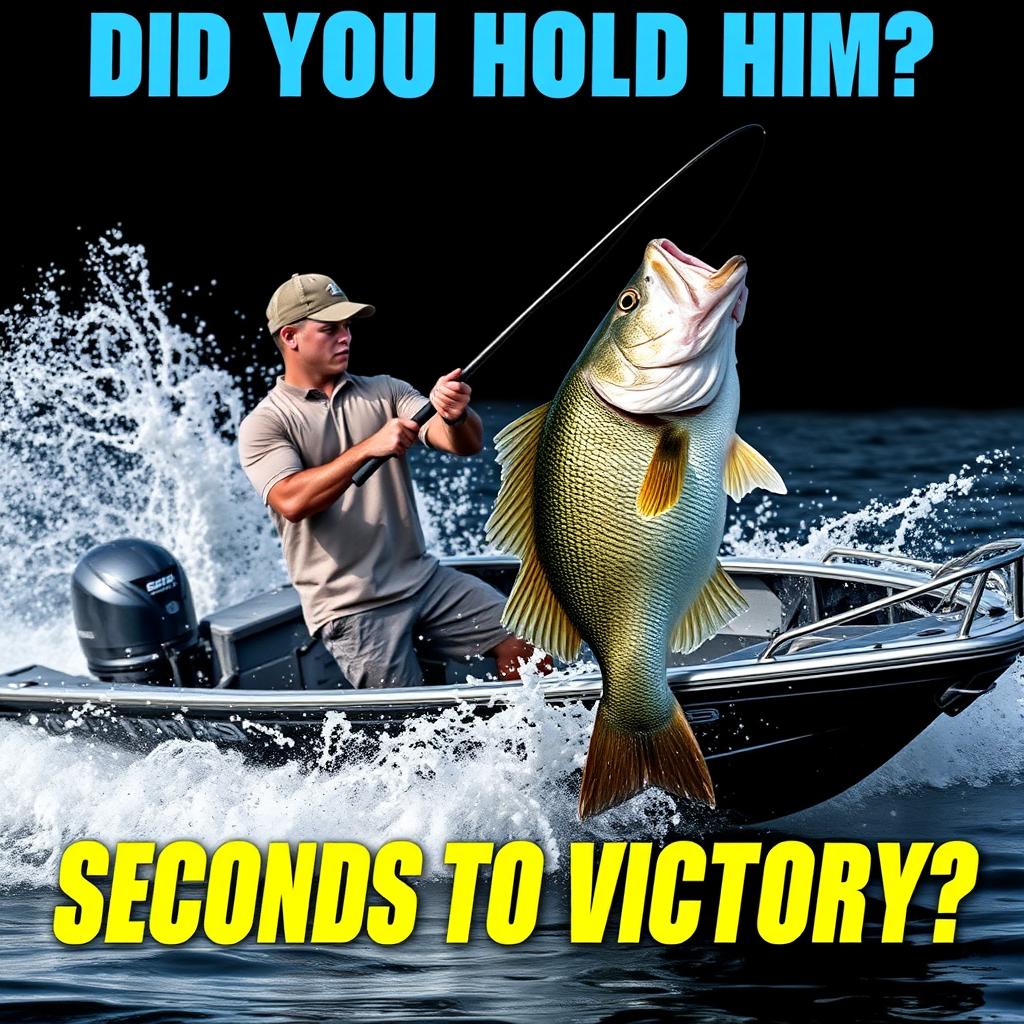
<point x="396" y="437"/>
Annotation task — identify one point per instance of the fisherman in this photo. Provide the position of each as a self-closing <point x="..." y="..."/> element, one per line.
<point x="356" y="555"/>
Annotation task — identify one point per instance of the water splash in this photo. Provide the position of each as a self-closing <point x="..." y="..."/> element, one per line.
<point x="451" y="503"/>
<point x="462" y="776"/>
<point x="929" y="522"/>
<point x="115" y="421"/>
<point x="983" y="745"/>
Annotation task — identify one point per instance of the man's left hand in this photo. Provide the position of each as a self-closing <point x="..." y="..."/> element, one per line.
<point x="450" y="396"/>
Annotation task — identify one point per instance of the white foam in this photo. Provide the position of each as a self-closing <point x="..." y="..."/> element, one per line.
<point x="115" y="423"/>
<point x="462" y="777"/>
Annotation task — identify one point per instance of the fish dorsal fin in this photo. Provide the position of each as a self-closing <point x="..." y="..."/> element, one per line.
<point x="510" y="525"/>
<point x="663" y="482"/>
<point x="716" y="606"/>
<point x="532" y="610"/>
<point x="746" y="468"/>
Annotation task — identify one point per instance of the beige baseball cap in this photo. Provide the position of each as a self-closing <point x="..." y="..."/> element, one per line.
<point x="315" y="296"/>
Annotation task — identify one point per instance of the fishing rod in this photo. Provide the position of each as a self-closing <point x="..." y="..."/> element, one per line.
<point x="427" y="409"/>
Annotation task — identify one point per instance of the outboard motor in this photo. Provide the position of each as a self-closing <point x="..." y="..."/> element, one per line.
<point x="134" y="614"/>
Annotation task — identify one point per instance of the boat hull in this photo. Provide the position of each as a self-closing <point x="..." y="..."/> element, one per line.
<point x="774" y="745"/>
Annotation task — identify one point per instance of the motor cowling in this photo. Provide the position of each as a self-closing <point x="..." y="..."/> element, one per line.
<point x="133" y="612"/>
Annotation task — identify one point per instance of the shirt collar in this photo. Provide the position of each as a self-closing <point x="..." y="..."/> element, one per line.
<point x="312" y="393"/>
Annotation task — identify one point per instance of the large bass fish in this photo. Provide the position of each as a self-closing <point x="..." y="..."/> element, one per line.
<point x="613" y="495"/>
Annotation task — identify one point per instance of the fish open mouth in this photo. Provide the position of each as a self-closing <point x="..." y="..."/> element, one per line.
<point x="679" y="259"/>
<point x="733" y="272"/>
<point x="673" y="250"/>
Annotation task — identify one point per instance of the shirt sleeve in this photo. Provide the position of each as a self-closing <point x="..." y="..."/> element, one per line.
<point x="266" y="452"/>
<point x="407" y="401"/>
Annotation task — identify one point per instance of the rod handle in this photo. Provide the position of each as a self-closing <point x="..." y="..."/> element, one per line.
<point x="367" y="469"/>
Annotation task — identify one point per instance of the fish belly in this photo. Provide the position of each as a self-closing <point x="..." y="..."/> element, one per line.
<point x="624" y="580"/>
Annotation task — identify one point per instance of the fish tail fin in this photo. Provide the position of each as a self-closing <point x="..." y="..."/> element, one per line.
<point x="621" y="764"/>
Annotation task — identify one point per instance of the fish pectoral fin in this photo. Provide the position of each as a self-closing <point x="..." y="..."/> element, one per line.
<point x="746" y="468"/>
<point x="663" y="483"/>
<point x="621" y="764"/>
<point x="534" y="613"/>
<point x="716" y="606"/>
<point x="510" y="526"/>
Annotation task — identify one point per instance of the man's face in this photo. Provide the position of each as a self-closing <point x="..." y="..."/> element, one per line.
<point x="322" y="346"/>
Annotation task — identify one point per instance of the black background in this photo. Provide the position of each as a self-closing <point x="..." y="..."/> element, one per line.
<point x="870" y="282"/>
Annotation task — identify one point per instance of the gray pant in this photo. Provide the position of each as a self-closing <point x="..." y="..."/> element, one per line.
<point x="453" y="615"/>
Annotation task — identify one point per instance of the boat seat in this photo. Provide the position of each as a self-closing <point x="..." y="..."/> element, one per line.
<point x="822" y="638"/>
<point x="830" y="635"/>
<point x="721" y="647"/>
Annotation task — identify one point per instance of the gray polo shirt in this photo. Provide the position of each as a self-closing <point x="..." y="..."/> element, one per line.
<point x="367" y="548"/>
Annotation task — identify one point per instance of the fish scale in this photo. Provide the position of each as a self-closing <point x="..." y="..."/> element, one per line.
<point x="613" y="496"/>
<point x="590" y="465"/>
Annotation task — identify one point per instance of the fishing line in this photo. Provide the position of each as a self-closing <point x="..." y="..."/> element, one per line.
<point x="476" y="363"/>
<point x="631" y="217"/>
<point x="427" y="410"/>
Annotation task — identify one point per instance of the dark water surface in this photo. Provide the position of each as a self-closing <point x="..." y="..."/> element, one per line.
<point x="979" y="977"/>
<point x="852" y="480"/>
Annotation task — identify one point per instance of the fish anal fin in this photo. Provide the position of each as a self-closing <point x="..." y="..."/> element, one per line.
<point x="663" y="482"/>
<point x="746" y="468"/>
<point x="534" y="613"/>
<point x="622" y="764"/>
<point x="715" y="606"/>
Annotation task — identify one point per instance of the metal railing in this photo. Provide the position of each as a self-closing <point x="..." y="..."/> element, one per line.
<point x="947" y="577"/>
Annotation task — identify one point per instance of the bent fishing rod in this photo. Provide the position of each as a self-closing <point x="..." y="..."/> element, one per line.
<point x="427" y="410"/>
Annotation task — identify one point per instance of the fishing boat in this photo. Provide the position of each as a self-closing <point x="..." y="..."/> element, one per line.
<point x="835" y="667"/>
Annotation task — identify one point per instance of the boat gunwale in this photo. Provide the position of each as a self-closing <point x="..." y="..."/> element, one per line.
<point x="1006" y="638"/>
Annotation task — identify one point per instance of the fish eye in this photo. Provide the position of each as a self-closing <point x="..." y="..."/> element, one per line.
<point x="629" y="299"/>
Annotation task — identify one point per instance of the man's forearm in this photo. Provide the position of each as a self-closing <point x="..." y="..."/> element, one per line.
<point x="467" y="438"/>
<point x="312" y="490"/>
